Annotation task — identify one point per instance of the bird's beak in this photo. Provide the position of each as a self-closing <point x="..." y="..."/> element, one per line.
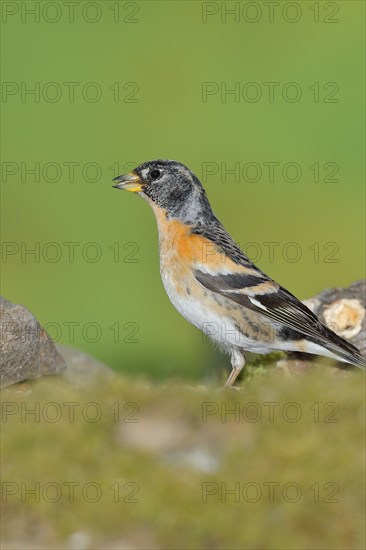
<point x="129" y="182"/>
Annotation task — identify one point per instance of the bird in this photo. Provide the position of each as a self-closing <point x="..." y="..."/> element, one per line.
<point x="214" y="285"/>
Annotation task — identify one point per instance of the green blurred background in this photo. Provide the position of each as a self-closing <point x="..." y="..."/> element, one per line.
<point x="167" y="52"/>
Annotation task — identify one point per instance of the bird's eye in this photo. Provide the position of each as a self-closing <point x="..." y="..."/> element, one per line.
<point x="155" y="174"/>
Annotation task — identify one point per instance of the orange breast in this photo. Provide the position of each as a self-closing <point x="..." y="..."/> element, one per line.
<point x="178" y="244"/>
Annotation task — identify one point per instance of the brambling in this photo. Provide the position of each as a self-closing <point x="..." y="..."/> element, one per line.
<point x="213" y="284"/>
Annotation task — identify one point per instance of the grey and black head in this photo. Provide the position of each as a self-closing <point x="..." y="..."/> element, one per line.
<point x="169" y="185"/>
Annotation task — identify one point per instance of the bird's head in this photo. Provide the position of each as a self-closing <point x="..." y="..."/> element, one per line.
<point x="168" y="185"/>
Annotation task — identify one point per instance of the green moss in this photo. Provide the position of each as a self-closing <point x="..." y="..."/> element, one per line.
<point x="301" y="435"/>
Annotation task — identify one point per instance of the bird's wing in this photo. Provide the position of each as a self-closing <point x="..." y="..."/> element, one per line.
<point x="264" y="296"/>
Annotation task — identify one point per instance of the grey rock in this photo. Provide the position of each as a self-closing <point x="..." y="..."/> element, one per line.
<point x="343" y="310"/>
<point x="82" y="369"/>
<point x="26" y="350"/>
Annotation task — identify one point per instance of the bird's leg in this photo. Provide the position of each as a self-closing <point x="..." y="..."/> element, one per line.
<point x="237" y="363"/>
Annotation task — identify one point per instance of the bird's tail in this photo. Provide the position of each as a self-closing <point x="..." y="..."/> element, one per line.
<point x="343" y="350"/>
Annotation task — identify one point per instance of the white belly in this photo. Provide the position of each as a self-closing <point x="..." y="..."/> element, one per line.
<point x="200" y="311"/>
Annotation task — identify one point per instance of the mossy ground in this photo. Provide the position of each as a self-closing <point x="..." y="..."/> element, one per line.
<point x="279" y="464"/>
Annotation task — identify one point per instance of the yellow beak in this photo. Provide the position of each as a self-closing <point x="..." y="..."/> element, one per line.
<point x="129" y="182"/>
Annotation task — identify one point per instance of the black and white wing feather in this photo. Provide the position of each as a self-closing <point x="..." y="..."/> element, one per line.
<point x="260" y="294"/>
